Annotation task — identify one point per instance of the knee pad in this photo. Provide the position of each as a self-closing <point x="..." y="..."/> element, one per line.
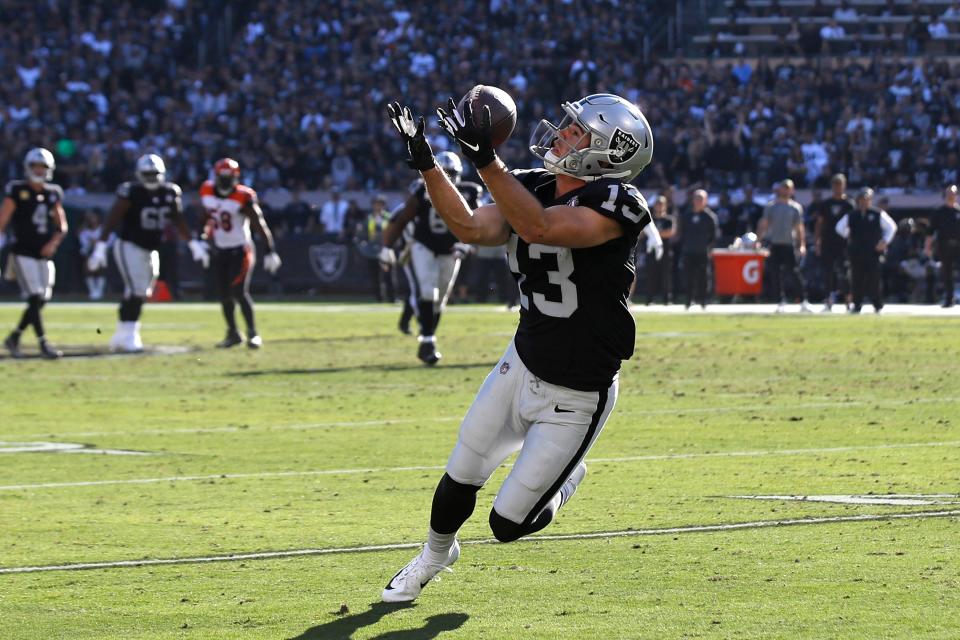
<point x="504" y="530"/>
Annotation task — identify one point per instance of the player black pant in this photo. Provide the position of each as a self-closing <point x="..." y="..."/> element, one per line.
<point x="782" y="262"/>
<point x="833" y="274"/>
<point x="659" y="278"/>
<point x="233" y="268"/>
<point x="948" y="253"/>
<point x="865" y="280"/>
<point x="695" y="271"/>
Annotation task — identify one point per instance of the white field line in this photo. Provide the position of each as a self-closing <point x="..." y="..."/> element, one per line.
<point x="629" y="533"/>
<point x="328" y="472"/>
<point x="393" y="421"/>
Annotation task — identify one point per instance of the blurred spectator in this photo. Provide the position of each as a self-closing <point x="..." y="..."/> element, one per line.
<point x="659" y="270"/>
<point x="945" y="238"/>
<point x="868" y="231"/>
<point x="830" y="246"/>
<point x="782" y="229"/>
<point x="88" y="235"/>
<point x="697" y="232"/>
<point x="938" y="29"/>
<point x="333" y="215"/>
<point x="368" y="238"/>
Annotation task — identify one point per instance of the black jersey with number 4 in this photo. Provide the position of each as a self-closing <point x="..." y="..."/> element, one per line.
<point x="149" y="213"/>
<point x="575" y="327"/>
<point x="429" y="228"/>
<point x="32" y="221"/>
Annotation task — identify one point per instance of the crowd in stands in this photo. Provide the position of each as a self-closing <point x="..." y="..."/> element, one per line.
<point x="296" y="92"/>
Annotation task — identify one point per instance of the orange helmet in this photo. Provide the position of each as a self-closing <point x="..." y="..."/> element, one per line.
<point x="226" y="175"/>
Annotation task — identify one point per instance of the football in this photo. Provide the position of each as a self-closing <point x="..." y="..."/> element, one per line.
<point x="503" y="111"/>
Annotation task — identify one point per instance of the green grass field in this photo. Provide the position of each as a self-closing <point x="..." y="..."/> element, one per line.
<point x="333" y="436"/>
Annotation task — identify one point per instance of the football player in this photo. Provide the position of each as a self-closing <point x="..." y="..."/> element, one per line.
<point x="570" y="231"/>
<point x="434" y="254"/>
<point x="35" y="207"/>
<point x="142" y="210"/>
<point x="229" y="210"/>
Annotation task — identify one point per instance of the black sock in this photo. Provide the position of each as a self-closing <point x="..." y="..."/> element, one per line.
<point x="453" y="503"/>
<point x="426" y="317"/>
<point x="130" y="309"/>
<point x="407" y="312"/>
<point x="228" y="315"/>
<point x="246" y="308"/>
<point x="32" y="316"/>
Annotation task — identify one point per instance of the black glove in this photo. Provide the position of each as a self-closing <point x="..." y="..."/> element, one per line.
<point x="421" y="155"/>
<point x="475" y="142"/>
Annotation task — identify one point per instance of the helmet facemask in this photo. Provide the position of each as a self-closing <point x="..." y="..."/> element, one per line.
<point x="620" y="141"/>
<point x="226" y="182"/>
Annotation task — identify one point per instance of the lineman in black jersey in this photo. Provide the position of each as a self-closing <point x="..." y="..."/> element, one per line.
<point x="35" y="208"/>
<point x="570" y="231"/>
<point x="434" y="253"/>
<point x="141" y="211"/>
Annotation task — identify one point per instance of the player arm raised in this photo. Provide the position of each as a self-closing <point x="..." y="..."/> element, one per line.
<point x="559" y="225"/>
<point x="484" y="225"/>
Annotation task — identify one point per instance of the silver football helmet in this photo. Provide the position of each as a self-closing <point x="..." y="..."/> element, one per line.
<point x="151" y="171"/>
<point x="621" y="142"/>
<point x="451" y="165"/>
<point x="39" y="156"/>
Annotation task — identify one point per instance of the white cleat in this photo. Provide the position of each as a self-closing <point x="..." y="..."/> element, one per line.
<point x="410" y="581"/>
<point x="781" y="308"/>
<point x="805" y="307"/>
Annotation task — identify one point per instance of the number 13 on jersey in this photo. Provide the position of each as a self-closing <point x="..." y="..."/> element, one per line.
<point x="560" y="278"/>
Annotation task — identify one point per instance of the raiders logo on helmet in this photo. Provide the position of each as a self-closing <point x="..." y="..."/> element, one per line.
<point x="623" y="146"/>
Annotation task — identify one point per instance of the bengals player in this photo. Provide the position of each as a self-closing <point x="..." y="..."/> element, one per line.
<point x="230" y="209"/>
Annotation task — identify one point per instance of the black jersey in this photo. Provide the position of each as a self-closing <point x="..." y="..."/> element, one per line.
<point x="830" y="213"/>
<point x="575" y="328"/>
<point x="149" y="213"/>
<point x="32" y="222"/>
<point x="429" y="228"/>
<point x="945" y="224"/>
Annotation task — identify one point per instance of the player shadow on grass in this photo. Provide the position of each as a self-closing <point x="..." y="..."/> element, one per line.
<point x="344" y="628"/>
<point x="359" y="367"/>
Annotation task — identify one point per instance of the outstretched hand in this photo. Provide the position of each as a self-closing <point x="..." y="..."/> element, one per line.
<point x="420" y="153"/>
<point x="476" y="142"/>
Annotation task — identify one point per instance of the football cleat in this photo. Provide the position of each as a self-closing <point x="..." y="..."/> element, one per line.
<point x="428" y="354"/>
<point x="48" y="352"/>
<point x="255" y="341"/>
<point x="232" y="339"/>
<point x="410" y="581"/>
<point x="805" y="307"/>
<point x="12" y="343"/>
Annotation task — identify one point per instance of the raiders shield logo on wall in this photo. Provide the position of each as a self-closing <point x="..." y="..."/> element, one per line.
<point x="623" y="146"/>
<point x="328" y="260"/>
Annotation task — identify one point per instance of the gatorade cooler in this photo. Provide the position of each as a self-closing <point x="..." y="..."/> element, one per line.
<point x="738" y="273"/>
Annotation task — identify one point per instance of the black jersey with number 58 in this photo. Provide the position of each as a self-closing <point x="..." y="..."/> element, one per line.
<point x="32" y="223"/>
<point x="575" y="327"/>
<point x="429" y="228"/>
<point x="149" y="213"/>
